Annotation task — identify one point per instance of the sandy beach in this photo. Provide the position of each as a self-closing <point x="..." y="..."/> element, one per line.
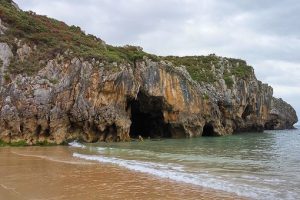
<point x="52" y="173"/>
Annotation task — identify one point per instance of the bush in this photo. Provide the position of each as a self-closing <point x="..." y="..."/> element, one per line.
<point x="2" y="143"/>
<point x="199" y="67"/>
<point x="228" y="80"/>
<point x="52" y="37"/>
<point x="26" y="67"/>
<point x="20" y="143"/>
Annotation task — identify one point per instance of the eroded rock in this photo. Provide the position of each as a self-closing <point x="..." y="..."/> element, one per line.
<point x="152" y="99"/>
<point x="2" y="28"/>
<point x="282" y="115"/>
<point x="53" y="96"/>
<point x="5" y="56"/>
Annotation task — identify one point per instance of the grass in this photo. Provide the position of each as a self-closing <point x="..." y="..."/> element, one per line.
<point x="205" y="96"/>
<point x="23" y="143"/>
<point x="2" y="144"/>
<point x="201" y="68"/>
<point x="20" y="143"/>
<point x="44" y="143"/>
<point x="240" y="68"/>
<point x="52" y="37"/>
<point x="54" y="81"/>
<point x="30" y="67"/>
<point x="228" y="81"/>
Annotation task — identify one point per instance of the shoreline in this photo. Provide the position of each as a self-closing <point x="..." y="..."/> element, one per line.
<point x="52" y="173"/>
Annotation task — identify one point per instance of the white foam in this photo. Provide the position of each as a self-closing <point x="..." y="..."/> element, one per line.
<point x="169" y="172"/>
<point x="178" y="157"/>
<point x="77" y="145"/>
<point x="101" y="148"/>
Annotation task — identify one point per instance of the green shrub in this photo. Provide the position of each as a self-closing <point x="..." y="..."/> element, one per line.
<point x="199" y="67"/>
<point x="205" y="96"/>
<point x="228" y="81"/>
<point x="2" y="143"/>
<point x="240" y="68"/>
<point x="44" y="143"/>
<point x="54" y="81"/>
<point x="52" y="37"/>
<point x="26" y="67"/>
<point x="6" y="77"/>
<point x="20" y="143"/>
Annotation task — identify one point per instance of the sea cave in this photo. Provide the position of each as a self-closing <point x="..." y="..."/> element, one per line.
<point x="147" y="118"/>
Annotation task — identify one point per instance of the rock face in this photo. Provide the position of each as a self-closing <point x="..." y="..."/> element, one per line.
<point x="2" y="28"/>
<point x="281" y="116"/>
<point x="73" y="98"/>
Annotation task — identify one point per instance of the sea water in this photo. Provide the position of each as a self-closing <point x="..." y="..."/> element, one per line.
<point x="254" y="165"/>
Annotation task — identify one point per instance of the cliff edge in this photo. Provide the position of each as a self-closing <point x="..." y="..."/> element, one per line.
<point x="59" y="84"/>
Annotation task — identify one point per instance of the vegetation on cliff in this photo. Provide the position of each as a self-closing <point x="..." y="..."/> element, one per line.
<point x="51" y="37"/>
<point x="58" y="83"/>
<point x="200" y="67"/>
<point x="23" y="143"/>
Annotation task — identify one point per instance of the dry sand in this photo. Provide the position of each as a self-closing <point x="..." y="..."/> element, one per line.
<point x="52" y="173"/>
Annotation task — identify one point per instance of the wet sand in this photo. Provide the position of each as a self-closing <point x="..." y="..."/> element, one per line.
<point x="52" y="173"/>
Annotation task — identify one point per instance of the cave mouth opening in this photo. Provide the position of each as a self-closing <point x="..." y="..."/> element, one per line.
<point x="147" y="118"/>
<point x="247" y="112"/>
<point x="208" y="130"/>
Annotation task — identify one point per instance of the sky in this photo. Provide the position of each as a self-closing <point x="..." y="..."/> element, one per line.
<point x="264" y="33"/>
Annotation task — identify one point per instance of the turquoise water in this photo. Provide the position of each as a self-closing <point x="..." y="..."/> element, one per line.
<point x="255" y="165"/>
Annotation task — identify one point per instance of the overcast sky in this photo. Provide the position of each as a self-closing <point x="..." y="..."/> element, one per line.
<point x="265" y="33"/>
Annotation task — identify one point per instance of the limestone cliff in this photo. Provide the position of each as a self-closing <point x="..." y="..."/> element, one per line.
<point x="59" y="84"/>
<point x="281" y="116"/>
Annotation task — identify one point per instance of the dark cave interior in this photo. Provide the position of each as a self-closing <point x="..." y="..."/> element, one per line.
<point x="208" y="130"/>
<point x="147" y="117"/>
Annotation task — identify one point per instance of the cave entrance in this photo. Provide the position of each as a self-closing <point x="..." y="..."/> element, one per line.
<point x="247" y="112"/>
<point x="147" y="117"/>
<point x="208" y="130"/>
